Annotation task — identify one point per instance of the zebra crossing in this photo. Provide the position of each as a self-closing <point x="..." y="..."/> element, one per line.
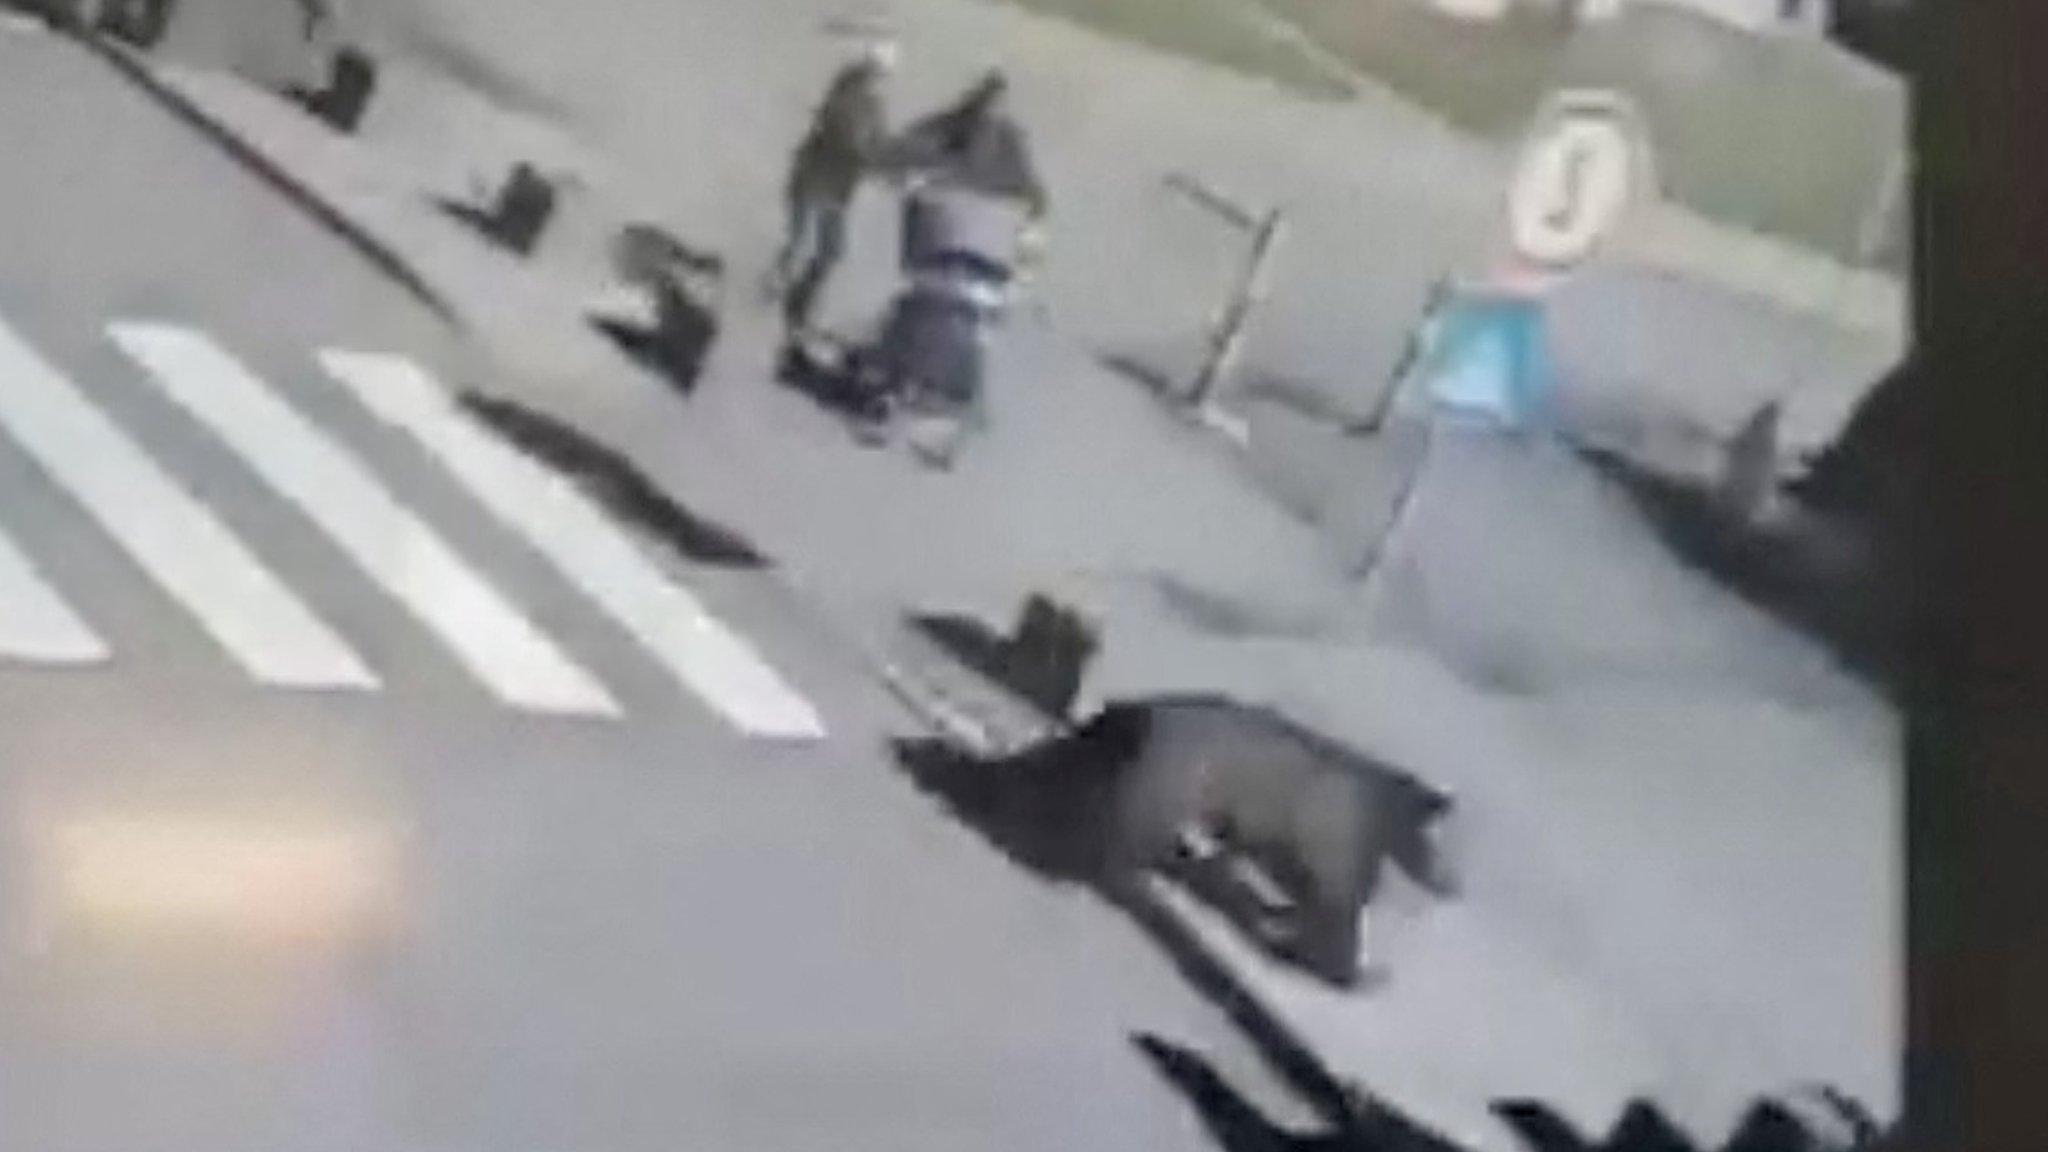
<point x="258" y="621"/>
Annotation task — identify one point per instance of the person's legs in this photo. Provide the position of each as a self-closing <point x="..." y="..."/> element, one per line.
<point x="804" y="221"/>
<point x="795" y="239"/>
<point x="826" y="226"/>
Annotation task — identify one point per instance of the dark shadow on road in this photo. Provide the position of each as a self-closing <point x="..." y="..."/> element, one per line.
<point x="1151" y="378"/>
<point x="1238" y="1126"/>
<point x="1830" y="576"/>
<point x="1368" y="1125"/>
<point x="1305" y="399"/>
<point x="615" y="483"/>
<point x="1049" y="816"/>
<point x="514" y="235"/>
<point x="1042" y="660"/>
<point x="674" y="350"/>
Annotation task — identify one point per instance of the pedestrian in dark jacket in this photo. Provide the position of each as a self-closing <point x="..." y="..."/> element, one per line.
<point x="846" y="136"/>
<point x="976" y="146"/>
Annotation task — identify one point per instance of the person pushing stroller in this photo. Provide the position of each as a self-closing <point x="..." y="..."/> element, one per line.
<point x="972" y="204"/>
<point x="972" y="209"/>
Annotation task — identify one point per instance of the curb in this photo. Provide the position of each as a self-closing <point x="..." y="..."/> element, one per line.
<point x="335" y="220"/>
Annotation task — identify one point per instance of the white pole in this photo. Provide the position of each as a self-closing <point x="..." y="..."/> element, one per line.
<point x="1227" y="345"/>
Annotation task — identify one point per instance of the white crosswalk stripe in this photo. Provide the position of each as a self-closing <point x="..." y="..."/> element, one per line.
<point x="187" y="550"/>
<point x="35" y="622"/>
<point x="181" y="545"/>
<point x="391" y="545"/>
<point x="560" y="523"/>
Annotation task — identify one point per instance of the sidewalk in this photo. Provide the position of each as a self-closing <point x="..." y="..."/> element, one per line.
<point x="1722" y="934"/>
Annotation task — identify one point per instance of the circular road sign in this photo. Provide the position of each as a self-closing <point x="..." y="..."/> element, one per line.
<point x="1583" y="167"/>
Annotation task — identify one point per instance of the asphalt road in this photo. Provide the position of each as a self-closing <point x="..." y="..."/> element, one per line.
<point x="345" y="806"/>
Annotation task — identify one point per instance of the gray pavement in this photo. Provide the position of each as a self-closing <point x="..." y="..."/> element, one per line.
<point x="245" y="916"/>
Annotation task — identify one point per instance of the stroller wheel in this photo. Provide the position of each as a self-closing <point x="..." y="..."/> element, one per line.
<point x="870" y="430"/>
<point x="794" y="365"/>
<point x="934" y="439"/>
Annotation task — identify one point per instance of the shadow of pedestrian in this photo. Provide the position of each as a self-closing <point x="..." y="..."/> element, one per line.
<point x="615" y="483"/>
<point x="1150" y="377"/>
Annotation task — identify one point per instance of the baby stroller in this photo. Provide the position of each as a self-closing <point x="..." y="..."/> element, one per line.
<point x="923" y="374"/>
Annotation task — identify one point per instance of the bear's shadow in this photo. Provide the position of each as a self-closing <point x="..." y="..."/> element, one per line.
<point x="1057" y="831"/>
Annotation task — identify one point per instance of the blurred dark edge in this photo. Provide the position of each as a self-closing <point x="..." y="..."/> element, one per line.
<point x="1208" y="974"/>
<point x="1831" y="1122"/>
<point x="1977" y="742"/>
<point x="612" y="480"/>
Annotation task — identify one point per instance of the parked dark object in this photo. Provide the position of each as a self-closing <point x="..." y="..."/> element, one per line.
<point x="521" y="213"/>
<point x="1042" y="660"/>
<point x="1281" y="829"/>
<point x="352" y="80"/>
<point x="685" y="286"/>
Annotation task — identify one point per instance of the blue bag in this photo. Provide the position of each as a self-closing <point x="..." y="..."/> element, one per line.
<point x="1488" y="359"/>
